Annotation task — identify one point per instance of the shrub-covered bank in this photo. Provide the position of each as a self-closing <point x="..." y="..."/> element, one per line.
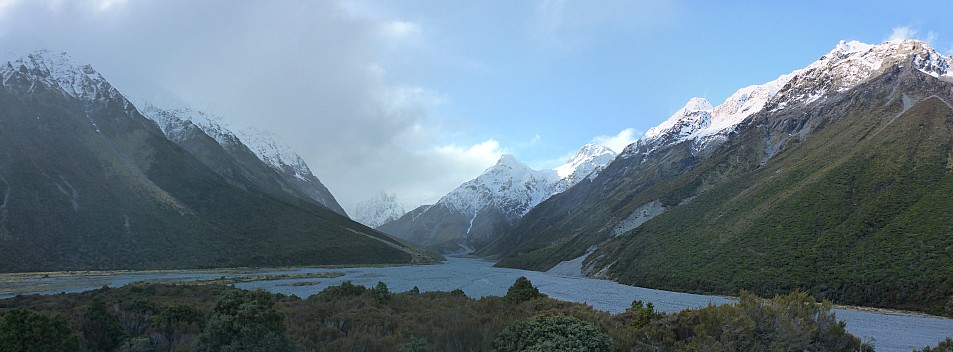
<point x="356" y="318"/>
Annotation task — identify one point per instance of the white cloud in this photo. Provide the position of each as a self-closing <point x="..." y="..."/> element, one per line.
<point x="6" y="5"/>
<point x="400" y="29"/>
<point x="426" y="175"/>
<point x="106" y="5"/>
<point x="619" y="141"/>
<point x="900" y="33"/>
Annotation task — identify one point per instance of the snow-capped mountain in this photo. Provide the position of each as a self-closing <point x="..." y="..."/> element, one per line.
<point x="378" y="210"/>
<point x="825" y="119"/>
<point x="476" y="211"/>
<point x="844" y="67"/>
<point x="60" y="70"/>
<point x="249" y="146"/>
<point x="586" y="164"/>
<point x="514" y="188"/>
<point x="89" y="183"/>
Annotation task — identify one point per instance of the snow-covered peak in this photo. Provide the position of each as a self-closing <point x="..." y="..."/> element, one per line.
<point x="845" y="66"/>
<point x="59" y="70"/>
<point x="174" y="120"/>
<point x="510" y="186"/>
<point x="587" y="163"/>
<point x="696" y="104"/>
<point x="589" y="157"/>
<point x="743" y="103"/>
<point x="844" y="47"/>
<point x="694" y="114"/>
<point x="514" y="188"/>
<point x="851" y="63"/>
<point x="510" y="161"/>
<point x="273" y="152"/>
<point x="378" y="210"/>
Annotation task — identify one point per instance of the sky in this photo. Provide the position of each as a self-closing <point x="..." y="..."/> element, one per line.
<point x="414" y="98"/>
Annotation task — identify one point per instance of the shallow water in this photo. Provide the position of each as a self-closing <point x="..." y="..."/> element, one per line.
<point x="478" y="278"/>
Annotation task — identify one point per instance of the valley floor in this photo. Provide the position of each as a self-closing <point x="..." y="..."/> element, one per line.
<point x="887" y="330"/>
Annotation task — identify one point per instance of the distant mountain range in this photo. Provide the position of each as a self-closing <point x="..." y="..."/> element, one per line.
<point x="475" y="213"/>
<point x="89" y="182"/>
<point x="834" y="179"/>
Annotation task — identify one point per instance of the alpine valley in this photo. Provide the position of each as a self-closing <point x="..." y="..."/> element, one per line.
<point x="90" y="180"/>
<point x="834" y="179"/>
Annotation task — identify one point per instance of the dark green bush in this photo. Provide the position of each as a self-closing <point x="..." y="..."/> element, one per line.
<point x="522" y="291"/>
<point x="23" y="330"/>
<point x="552" y="333"/>
<point x="245" y="321"/>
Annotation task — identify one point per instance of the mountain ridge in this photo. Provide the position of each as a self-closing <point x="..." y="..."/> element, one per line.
<point x="89" y="183"/>
<point x="246" y="144"/>
<point x="651" y="180"/>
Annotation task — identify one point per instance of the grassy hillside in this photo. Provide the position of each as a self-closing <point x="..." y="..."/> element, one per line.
<point x="858" y="213"/>
<point x="852" y="205"/>
<point x="94" y="185"/>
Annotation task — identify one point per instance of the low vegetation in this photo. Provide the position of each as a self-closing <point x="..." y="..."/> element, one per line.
<point x="165" y="317"/>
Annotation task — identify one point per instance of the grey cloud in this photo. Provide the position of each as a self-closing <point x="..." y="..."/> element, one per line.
<point x="305" y="70"/>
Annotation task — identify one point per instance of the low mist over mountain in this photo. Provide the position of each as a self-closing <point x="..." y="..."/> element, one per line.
<point x="261" y="158"/>
<point x="379" y="210"/>
<point x="833" y="179"/>
<point x="88" y="182"/>
<point x="479" y="210"/>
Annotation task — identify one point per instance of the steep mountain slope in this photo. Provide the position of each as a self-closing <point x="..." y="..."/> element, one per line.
<point x="89" y="183"/>
<point x="479" y="210"/>
<point x="834" y="186"/>
<point x="379" y="210"/>
<point x="249" y="154"/>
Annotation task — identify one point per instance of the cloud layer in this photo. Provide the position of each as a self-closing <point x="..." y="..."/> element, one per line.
<point x="310" y="72"/>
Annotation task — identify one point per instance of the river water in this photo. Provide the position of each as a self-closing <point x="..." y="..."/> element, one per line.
<point x="477" y="278"/>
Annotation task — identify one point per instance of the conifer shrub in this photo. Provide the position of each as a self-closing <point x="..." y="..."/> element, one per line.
<point x="522" y="291"/>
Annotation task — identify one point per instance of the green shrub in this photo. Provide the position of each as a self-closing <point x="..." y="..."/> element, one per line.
<point x="381" y="292"/>
<point x="23" y="330"/>
<point x="552" y="333"/>
<point x="944" y="346"/>
<point x="522" y="291"/>
<point x="245" y="321"/>
<point x="102" y="330"/>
